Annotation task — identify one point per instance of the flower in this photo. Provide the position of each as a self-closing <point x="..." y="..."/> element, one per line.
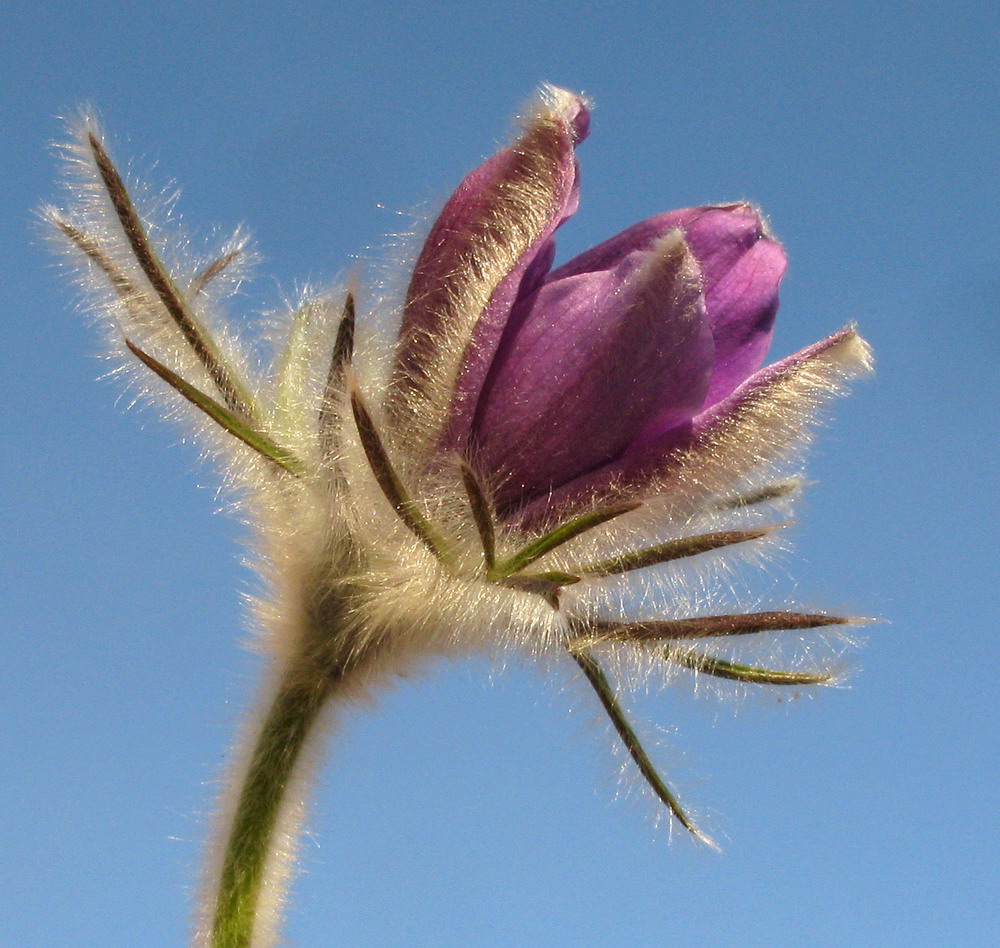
<point x="496" y="477"/>
<point x="600" y="372"/>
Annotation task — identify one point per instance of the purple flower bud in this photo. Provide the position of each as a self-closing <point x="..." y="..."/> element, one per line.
<point x="596" y="372"/>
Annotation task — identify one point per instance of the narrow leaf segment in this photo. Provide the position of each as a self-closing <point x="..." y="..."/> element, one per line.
<point x="562" y="534"/>
<point x="751" y="674"/>
<point x="343" y="346"/>
<point x="702" y="627"/>
<point x="213" y="271"/>
<point x="547" y="585"/>
<point x="221" y="415"/>
<point x="388" y="480"/>
<point x="340" y="359"/>
<point x="92" y="249"/>
<point x="605" y="693"/>
<point x="480" y="508"/>
<point x="759" y="496"/>
<point x="233" y="393"/>
<point x="672" y="550"/>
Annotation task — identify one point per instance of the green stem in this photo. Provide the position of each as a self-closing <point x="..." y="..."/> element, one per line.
<point x="254" y="860"/>
<point x="286" y="728"/>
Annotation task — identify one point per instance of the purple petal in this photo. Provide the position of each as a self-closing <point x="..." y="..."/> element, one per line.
<point x="487" y="238"/>
<point x="742" y="267"/>
<point x="586" y="361"/>
<point x="759" y="386"/>
<point x="742" y="306"/>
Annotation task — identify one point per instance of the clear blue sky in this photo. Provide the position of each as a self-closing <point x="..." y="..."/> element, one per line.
<point x="473" y="808"/>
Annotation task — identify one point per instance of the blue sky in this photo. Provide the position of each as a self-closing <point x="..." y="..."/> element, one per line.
<point x="473" y="807"/>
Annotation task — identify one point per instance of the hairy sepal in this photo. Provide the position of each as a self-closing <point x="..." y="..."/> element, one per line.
<point x="765" y="423"/>
<point x="471" y="259"/>
<point x="750" y="439"/>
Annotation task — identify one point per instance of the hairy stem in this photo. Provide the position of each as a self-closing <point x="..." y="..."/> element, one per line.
<point x="256" y="849"/>
<point x="251" y="840"/>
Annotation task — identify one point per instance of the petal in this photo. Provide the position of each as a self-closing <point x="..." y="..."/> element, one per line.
<point x="468" y="273"/>
<point x="742" y="268"/>
<point x="744" y="436"/>
<point x="588" y="360"/>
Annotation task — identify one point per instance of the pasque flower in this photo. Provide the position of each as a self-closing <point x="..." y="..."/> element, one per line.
<point x="534" y="444"/>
